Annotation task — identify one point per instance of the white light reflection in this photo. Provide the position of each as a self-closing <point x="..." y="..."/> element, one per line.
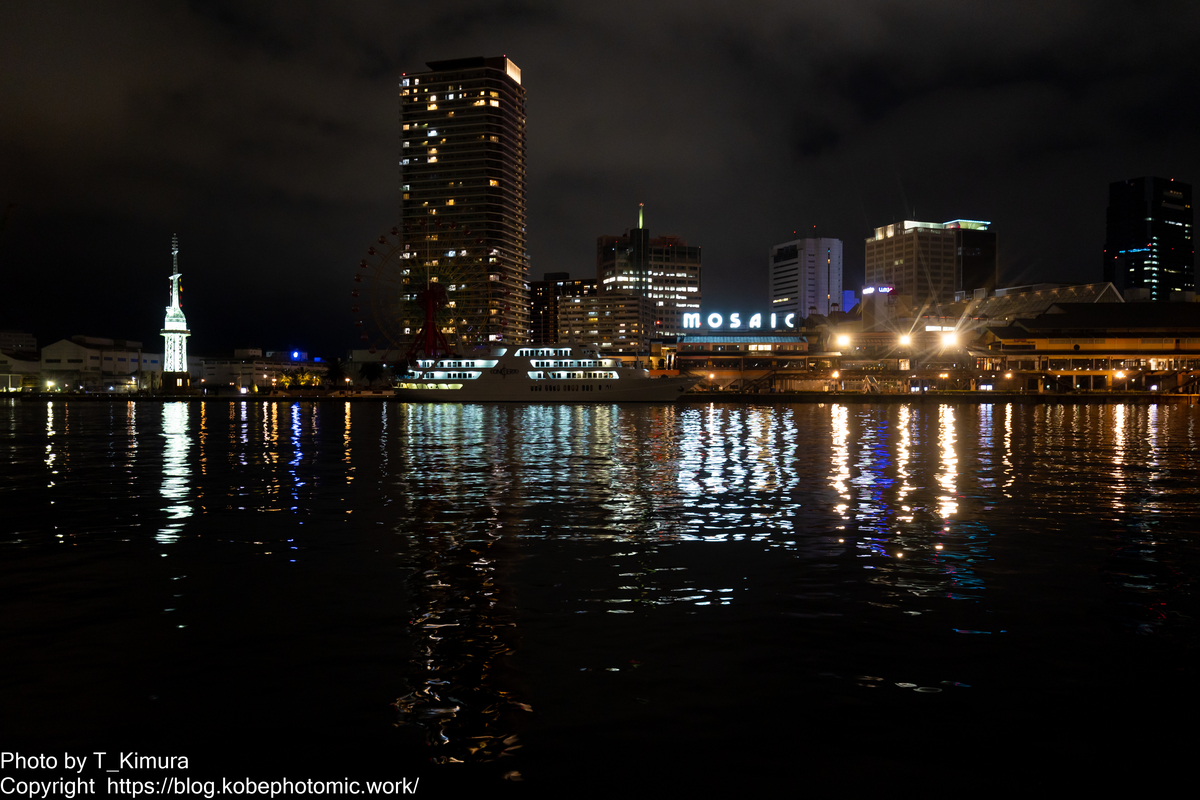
<point x="202" y="441"/>
<point x="1154" y="460"/>
<point x="1009" y="473"/>
<point x="986" y="425"/>
<point x="175" y="469"/>
<point x="384" y="410"/>
<point x="131" y="436"/>
<point x="51" y="456"/>
<point x="238" y="433"/>
<point x="1118" y="457"/>
<point x="346" y="448"/>
<point x="948" y="477"/>
<point x="840" y="456"/>
<point x="297" y="455"/>
<point x="903" y="456"/>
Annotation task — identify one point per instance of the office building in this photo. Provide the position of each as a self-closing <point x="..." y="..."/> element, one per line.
<point x="933" y="261"/>
<point x="665" y="270"/>
<point x="462" y="195"/>
<point x="13" y="341"/>
<point x="619" y="322"/>
<point x="545" y="296"/>
<point x="1148" y="238"/>
<point x="805" y="277"/>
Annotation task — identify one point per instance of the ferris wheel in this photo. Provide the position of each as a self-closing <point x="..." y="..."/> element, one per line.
<point x="404" y="291"/>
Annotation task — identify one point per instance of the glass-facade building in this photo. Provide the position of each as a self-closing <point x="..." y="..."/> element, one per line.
<point x="462" y="166"/>
<point x="1148" y="238"/>
<point x="665" y="270"/>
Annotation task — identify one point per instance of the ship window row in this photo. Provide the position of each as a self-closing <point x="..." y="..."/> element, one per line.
<point x="431" y="386"/>
<point x="453" y="375"/>
<point x="578" y="387"/>
<point x="552" y="364"/>
<point x="594" y="375"/>
<point x="464" y="364"/>
<point x="534" y="351"/>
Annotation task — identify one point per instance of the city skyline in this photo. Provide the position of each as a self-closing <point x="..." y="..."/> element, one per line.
<point x="268" y="141"/>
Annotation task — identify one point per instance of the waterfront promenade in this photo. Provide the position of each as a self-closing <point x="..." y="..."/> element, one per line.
<point x="856" y="398"/>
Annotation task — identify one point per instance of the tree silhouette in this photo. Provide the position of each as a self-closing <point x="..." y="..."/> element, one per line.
<point x="335" y="373"/>
<point x="370" y="371"/>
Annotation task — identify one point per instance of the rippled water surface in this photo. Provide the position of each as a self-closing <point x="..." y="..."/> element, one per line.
<point x="619" y="596"/>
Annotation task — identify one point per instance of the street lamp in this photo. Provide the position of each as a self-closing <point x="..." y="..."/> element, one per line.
<point x="905" y="340"/>
<point x="843" y="341"/>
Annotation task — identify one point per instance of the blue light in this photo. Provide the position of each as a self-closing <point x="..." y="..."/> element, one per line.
<point x="295" y="354"/>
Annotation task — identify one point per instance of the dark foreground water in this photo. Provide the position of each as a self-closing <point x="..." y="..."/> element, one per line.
<point x="646" y="599"/>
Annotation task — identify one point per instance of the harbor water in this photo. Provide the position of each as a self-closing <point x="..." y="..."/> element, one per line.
<point x="535" y="598"/>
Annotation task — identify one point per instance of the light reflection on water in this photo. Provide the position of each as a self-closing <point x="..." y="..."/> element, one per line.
<point x="929" y="511"/>
<point x="176" y="470"/>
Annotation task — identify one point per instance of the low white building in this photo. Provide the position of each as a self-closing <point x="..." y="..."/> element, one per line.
<point x="95" y="364"/>
<point x="18" y="368"/>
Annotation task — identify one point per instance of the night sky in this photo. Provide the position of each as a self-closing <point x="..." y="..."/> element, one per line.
<point x="266" y="136"/>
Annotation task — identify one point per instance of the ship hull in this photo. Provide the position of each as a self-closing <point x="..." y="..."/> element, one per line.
<point x="514" y="389"/>
<point x="537" y="374"/>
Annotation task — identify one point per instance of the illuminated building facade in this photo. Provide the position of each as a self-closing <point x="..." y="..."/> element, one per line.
<point x="805" y="277"/>
<point x="546" y="295"/>
<point x="248" y="370"/>
<point x="1098" y="346"/>
<point x="932" y="261"/>
<point x="462" y="192"/>
<point x="175" y="331"/>
<point x="1148" y="239"/>
<point x="664" y="270"/>
<point x="619" y="322"/>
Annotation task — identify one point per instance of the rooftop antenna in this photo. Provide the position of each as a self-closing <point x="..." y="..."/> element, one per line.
<point x="175" y="277"/>
<point x="641" y="208"/>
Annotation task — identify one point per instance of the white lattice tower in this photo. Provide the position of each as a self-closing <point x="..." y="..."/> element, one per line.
<point x="175" y="330"/>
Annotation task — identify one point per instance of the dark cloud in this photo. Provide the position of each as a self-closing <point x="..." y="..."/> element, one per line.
<point x="265" y="135"/>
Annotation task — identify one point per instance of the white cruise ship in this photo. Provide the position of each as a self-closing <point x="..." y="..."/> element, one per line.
<point x="536" y="374"/>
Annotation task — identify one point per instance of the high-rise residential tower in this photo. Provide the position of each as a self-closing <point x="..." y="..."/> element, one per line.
<point x="665" y="270"/>
<point x="805" y="277"/>
<point x="931" y="261"/>
<point x="1148" y="239"/>
<point x="462" y="168"/>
